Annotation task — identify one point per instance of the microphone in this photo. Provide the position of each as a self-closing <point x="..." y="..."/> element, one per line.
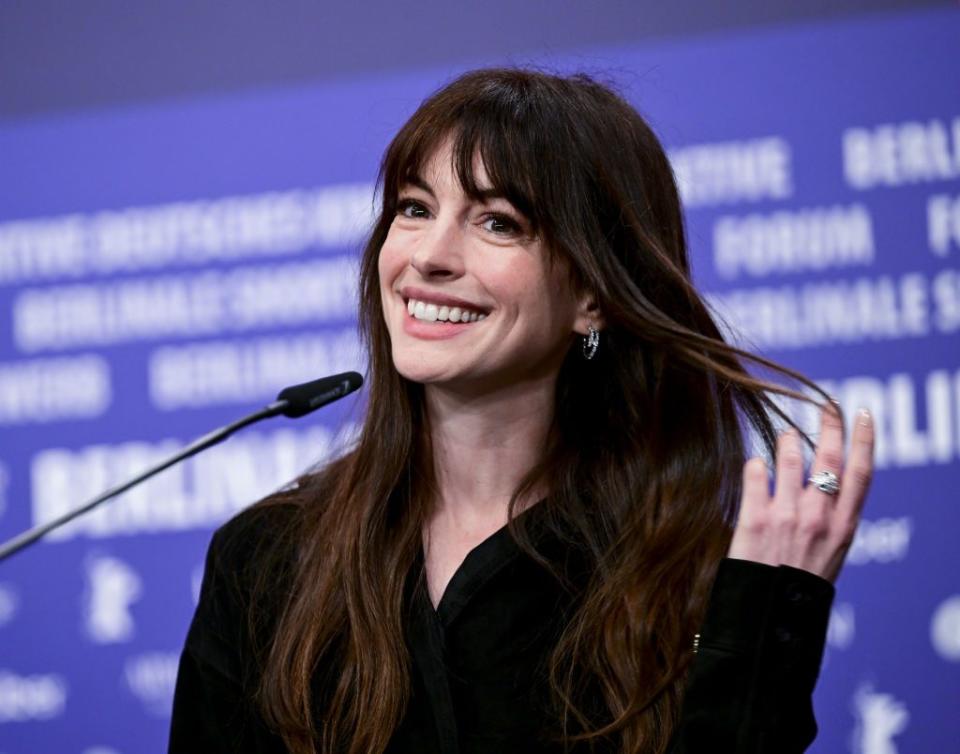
<point x="302" y="399"/>
<point x="294" y="401"/>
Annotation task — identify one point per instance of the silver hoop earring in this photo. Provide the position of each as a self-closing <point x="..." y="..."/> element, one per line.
<point x="591" y="342"/>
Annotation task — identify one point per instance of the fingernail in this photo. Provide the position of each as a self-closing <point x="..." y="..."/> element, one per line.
<point x="864" y="418"/>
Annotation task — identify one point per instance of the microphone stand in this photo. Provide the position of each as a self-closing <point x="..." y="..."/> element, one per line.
<point x="293" y="401"/>
<point x="32" y="535"/>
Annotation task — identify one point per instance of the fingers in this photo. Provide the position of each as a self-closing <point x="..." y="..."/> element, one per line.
<point x="750" y="537"/>
<point x="803" y="526"/>
<point x="829" y="454"/>
<point x="752" y="517"/>
<point x="859" y="468"/>
<point x="789" y="483"/>
<point x="755" y="483"/>
<point x="789" y="469"/>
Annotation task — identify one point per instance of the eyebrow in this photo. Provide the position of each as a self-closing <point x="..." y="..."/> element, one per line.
<point x="484" y="195"/>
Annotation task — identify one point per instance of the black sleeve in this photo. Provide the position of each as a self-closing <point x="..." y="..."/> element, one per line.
<point x="213" y="709"/>
<point x="759" y="652"/>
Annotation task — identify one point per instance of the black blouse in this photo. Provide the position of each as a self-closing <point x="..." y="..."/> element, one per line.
<point x="478" y="680"/>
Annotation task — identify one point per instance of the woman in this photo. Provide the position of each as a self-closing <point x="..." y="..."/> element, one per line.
<point x="546" y="537"/>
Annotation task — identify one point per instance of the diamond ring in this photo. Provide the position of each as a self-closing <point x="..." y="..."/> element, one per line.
<point x="825" y="481"/>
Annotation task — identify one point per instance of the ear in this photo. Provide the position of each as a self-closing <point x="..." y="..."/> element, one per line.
<point x="588" y="313"/>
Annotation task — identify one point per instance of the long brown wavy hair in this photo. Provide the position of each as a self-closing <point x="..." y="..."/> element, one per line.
<point x="644" y="465"/>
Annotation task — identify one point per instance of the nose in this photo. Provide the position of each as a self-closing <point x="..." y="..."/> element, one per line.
<point x="439" y="251"/>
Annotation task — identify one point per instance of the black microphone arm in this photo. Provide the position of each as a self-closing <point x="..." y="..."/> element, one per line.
<point x="294" y="401"/>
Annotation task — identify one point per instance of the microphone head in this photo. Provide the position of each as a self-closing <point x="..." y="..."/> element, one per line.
<point x="302" y="399"/>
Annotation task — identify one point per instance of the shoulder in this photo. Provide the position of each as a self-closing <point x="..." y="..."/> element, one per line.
<point x="254" y="534"/>
<point x="249" y="568"/>
<point x="256" y="549"/>
<point x="260" y="544"/>
<point x="256" y="541"/>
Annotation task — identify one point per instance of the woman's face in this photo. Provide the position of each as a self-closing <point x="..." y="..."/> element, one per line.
<point x="469" y="296"/>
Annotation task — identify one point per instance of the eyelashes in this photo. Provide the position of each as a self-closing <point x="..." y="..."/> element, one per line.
<point x="498" y="223"/>
<point x="411" y="208"/>
<point x="507" y="225"/>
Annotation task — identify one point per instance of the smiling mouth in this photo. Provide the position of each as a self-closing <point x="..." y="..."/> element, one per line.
<point x="426" y="312"/>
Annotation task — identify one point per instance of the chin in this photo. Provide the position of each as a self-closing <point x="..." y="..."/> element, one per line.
<point x="418" y="369"/>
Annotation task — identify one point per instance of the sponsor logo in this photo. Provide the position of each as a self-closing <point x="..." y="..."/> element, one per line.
<point x="46" y="390"/>
<point x="151" y="677"/>
<point x="112" y="586"/>
<point x="945" y="629"/>
<point x="842" y="628"/>
<point x="199" y="494"/>
<point x="733" y="171"/>
<point x="32" y="697"/>
<point x="880" y="717"/>
<point x="883" y="540"/>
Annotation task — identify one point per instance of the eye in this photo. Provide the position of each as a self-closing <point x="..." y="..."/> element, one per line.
<point x="411" y="208"/>
<point x="500" y="224"/>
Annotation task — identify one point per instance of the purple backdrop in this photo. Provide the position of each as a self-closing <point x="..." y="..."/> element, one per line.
<point x="167" y="267"/>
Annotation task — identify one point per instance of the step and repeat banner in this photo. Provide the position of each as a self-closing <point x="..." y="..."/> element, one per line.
<point x="168" y="267"/>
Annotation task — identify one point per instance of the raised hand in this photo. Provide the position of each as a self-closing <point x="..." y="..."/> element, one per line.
<point x="801" y="525"/>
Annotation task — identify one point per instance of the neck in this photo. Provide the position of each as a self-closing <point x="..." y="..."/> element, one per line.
<point x="483" y="446"/>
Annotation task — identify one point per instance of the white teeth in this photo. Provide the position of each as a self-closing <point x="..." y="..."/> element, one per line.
<point x="434" y="313"/>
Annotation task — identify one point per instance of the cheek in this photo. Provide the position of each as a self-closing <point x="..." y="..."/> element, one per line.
<point x="390" y="263"/>
<point x="385" y="260"/>
<point x="545" y="296"/>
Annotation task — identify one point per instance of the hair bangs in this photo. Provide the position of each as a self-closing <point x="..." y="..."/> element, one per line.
<point x="496" y="130"/>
